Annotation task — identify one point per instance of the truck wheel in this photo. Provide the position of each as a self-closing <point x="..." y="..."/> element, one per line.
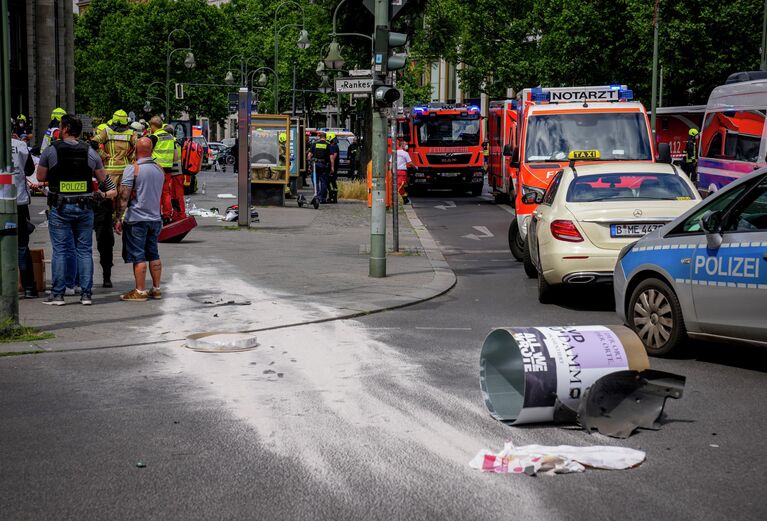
<point x="516" y="243"/>
<point x="655" y="315"/>
<point x="476" y="190"/>
<point x="527" y="262"/>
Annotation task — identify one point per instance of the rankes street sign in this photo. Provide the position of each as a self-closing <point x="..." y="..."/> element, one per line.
<point x="345" y="85"/>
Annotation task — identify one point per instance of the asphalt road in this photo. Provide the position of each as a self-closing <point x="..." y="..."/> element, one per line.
<point x="368" y="419"/>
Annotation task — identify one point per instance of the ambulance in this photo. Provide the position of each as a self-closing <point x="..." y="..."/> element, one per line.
<point x="733" y="140"/>
<point x="501" y="135"/>
<point x="445" y="143"/>
<point x="555" y="121"/>
<point x="673" y="124"/>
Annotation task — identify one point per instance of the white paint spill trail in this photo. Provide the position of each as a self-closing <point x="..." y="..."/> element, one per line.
<point x="318" y="390"/>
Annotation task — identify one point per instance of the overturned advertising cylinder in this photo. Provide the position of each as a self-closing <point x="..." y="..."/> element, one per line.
<point x="525" y="371"/>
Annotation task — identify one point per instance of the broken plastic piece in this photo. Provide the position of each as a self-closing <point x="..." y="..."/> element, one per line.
<point x="619" y="403"/>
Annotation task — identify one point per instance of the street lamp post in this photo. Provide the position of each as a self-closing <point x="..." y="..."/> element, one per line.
<point x="188" y="62"/>
<point x="303" y="43"/>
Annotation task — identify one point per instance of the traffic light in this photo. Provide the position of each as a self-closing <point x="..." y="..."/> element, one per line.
<point x="385" y="95"/>
<point x="385" y="41"/>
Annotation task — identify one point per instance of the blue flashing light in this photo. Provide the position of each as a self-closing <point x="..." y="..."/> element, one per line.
<point x="473" y="108"/>
<point x="616" y="86"/>
<point x="538" y="94"/>
<point x="419" y="110"/>
<point x="514" y="105"/>
<point x="626" y="94"/>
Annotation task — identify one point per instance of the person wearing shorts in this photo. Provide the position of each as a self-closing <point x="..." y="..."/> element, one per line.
<point x="140" y="221"/>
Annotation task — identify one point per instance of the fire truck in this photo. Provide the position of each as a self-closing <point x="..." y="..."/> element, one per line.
<point x="554" y="121"/>
<point x="673" y="125"/>
<point x="502" y="135"/>
<point x="445" y="144"/>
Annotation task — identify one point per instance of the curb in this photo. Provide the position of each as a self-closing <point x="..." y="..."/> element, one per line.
<point x="444" y="280"/>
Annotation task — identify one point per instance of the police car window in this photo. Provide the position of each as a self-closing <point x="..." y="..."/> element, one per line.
<point x="751" y="214"/>
<point x="692" y="223"/>
<point x="637" y="186"/>
<point x="551" y="191"/>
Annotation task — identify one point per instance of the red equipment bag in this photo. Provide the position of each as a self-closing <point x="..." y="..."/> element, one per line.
<point x="191" y="157"/>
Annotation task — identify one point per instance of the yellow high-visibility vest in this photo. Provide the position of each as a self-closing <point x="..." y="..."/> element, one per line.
<point x="164" y="149"/>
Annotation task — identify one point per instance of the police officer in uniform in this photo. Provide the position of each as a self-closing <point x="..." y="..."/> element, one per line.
<point x="69" y="166"/>
<point x="321" y="154"/>
<point x="333" y="176"/>
<point x="117" y="144"/>
<point x="690" y="165"/>
<point x="164" y="154"/>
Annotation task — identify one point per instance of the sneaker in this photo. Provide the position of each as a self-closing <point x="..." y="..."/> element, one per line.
<point x="86" y="299"/>
<point x="135" y="295"/>
<point x="31" y="293"/>
<point x="155" y="293"/>
<point x="54" y="300"/>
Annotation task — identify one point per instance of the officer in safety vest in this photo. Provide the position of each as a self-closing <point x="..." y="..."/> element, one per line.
<point x="321" y="154"/>
<point x="52" y="133"/>
<point x="164" y="154"/>
<point x="117" y="147"/>
<point x="174" y="196"/>
<point x="69" y="166"/>
<point x="690" y="165"/>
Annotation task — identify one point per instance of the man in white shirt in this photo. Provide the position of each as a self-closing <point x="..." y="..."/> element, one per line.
<point x="22" y="167"/>
<point x="404" y="162"/>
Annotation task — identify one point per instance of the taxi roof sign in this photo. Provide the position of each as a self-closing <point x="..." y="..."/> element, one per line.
<point x="581" y="155"/>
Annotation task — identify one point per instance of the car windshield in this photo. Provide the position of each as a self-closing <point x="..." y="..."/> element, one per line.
<point x="617" y="136"/>
<point x="441" y="131"/>
<point x="628" y="186"/>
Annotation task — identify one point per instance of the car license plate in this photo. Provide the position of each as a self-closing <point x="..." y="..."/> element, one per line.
<point x="450" y="174"/>
<point x="633" y="230"/>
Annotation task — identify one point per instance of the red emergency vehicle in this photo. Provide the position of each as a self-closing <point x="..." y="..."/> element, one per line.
<point x="673" y="124"/>
<point x="445" y="144"/>
<point x="502" y="135"/>
<point x="555" y="121"/>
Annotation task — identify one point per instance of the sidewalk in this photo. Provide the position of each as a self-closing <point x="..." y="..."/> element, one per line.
<point x="225" y="278"/>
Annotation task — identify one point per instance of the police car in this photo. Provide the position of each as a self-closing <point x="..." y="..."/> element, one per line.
<point x="702" y="275"/>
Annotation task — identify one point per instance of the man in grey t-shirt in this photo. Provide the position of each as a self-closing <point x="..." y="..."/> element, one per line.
<point x="140" y="221"/>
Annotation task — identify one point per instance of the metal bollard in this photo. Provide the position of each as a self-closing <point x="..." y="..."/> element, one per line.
<point x="9" y="254"/>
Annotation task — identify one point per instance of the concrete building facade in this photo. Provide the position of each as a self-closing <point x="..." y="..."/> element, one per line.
<point x="42" y="59"/>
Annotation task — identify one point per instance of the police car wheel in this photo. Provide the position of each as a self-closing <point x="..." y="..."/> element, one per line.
<point x="656" y="316"/>
<point x="516" y="242"/>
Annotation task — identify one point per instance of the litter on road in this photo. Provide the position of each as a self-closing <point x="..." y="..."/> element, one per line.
<point x="562" y="459"/>
<point x="226" y="196"/>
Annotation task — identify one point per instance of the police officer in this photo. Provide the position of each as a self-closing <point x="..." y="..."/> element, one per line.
<point x="69" y="166"/>
<point x="333" y="175"/>
<point x="320" y="153"/>
<point x="164" y="154"/>
<point x="52" y="133"/>
<point x="690" y="165"/>
<point x="117" y="147"/>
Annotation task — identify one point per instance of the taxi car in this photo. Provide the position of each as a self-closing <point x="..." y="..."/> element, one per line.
<point x="703" y="275"/>
<point x="590" y="212"/>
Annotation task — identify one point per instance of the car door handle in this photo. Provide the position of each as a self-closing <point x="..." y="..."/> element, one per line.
<point x="686" y="260"/>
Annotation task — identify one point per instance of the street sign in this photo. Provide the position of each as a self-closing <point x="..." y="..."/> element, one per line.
<point x="346" y="85"/>
<point x="360" y="72"/>
<point x="360" y="95"/>
<point x="394" y="7"/>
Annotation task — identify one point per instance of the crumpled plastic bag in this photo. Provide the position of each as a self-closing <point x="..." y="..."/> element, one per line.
<point x="562" y="459"/>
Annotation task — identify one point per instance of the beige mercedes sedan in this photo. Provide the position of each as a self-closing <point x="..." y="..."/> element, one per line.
<point x="590" y="212"/>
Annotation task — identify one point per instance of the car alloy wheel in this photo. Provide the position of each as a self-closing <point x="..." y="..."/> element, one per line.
<point x="656" y="317"/>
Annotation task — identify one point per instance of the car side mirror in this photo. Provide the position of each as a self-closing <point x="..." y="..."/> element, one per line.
<point x="664" y="153"/>
<point x="515" y="158"/>
<point x="711" y="223"/>
<point x="532" y="198"/>
<point x="507" y="150"/>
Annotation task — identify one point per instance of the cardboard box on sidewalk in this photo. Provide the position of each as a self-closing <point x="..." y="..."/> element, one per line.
<point x="38" y="267"/>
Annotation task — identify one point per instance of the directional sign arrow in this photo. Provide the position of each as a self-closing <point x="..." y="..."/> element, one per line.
<point x="448" y="204"/>
<point x="485" y="233"/>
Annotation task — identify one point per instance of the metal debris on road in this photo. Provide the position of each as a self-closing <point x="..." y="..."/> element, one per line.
<point x="562" y="459"/>
<point x="620" y="403"/>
